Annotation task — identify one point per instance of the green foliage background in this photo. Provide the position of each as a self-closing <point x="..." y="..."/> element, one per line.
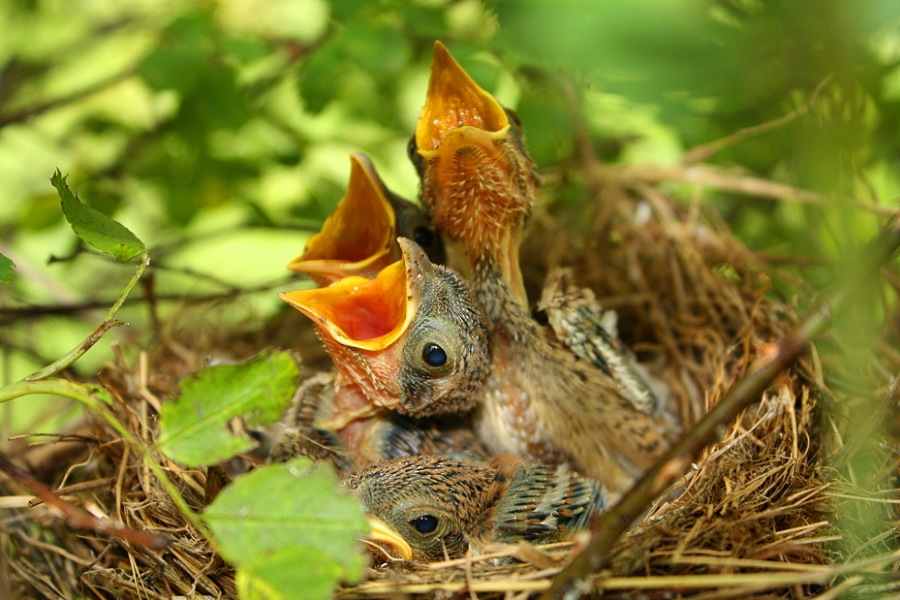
<point x="219" y="131"/>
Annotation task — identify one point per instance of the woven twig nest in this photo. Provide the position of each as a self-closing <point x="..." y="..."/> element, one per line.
<point x="755" y="515"/>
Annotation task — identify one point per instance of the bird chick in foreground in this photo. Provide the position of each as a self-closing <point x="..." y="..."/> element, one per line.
<point x="542" y="400"/>
<point x="412" y="339"/>
<point x="431" y="508"/>
<point x="360" y="235"/>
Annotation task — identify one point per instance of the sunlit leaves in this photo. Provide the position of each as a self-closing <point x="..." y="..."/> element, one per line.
<point x="378" y="48"/>
<point x="95" y="228"/>
<point x="200" y="64"/>
<point x="195" y="426"/>
<point x="278" y="576"/>
<point x="318" y="77"/>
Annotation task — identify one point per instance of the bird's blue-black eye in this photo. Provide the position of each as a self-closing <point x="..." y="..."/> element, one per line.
<point x="425" y="523"/>
<point x="434" y="355"/>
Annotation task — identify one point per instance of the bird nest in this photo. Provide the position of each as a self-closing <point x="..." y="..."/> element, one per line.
<point x="773" y="508"/>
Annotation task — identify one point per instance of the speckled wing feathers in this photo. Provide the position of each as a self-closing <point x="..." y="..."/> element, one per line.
<point x="545" y="503"/>
<point x="581" y="324"/>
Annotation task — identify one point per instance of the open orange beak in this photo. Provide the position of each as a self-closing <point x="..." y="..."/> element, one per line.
<point x="358" y="238"/>
<point x="368" y="314"/>
<point x="456" y="107"/>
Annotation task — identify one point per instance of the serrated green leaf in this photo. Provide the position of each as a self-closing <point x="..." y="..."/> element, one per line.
<point x="301" y="534"/>
<point x="95" y="228"/>
<point x="277" y="577"/>
<point x="195" y="426"/>
<point x="7" y="267"/>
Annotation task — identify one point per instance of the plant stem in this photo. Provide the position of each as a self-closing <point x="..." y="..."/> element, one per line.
<point x="108" y="323"/>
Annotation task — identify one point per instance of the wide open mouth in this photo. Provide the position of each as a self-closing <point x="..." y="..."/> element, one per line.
<point x="455" y="103"/>
<point x="370" y="314"/>
<point x="359" y="234"/>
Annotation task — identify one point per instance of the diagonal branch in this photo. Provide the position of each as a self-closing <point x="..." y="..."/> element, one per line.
<point x="705" y="151"/>
<point x="38" y="109"/>
<point x="606" y="529"/>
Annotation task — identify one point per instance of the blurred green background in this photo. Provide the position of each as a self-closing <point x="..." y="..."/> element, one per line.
<point x="219" y="132"/>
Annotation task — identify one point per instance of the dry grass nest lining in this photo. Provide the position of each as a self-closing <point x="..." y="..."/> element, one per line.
<point x="753" y="511"/>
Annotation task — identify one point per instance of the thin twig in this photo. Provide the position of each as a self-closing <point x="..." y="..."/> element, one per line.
<point x="703" y="152"/>
<point x="108" y="323"/>
<point x="727" y="179"/>
<point x="76" y="487"/>
<point x="75" y="96"/>
<point x="14" y="314"/>
<point x="608" y="527"/>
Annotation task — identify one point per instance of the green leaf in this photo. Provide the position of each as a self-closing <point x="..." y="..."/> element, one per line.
<point x="95" y="228"/>
<point x="301" y="534"/>
<point x="276" y="577"/>
<point x="7" y="267"/>
<point x="195" y="426"/>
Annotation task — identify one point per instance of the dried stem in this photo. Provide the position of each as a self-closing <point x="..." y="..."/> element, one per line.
<point x="77" y="518"/>
<point x="108" y="323"/>
<point x="705" y="151"/>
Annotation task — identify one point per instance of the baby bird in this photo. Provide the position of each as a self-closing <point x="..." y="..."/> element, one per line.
<point x="412" y="339"/>
<point x="477" y="179"/>
<point x="542" y="400"/>
<point x="360" y="235"/>
<point x="430" y="508"/>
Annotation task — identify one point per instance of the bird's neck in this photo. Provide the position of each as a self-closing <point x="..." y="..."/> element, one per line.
<point x="357" y="394"/>
<point x="492" y="266"/>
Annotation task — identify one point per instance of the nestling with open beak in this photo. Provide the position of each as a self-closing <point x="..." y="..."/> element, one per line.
<point x="475" y="171"/>
<point x="412" y="339"/>
<point x="541" y="400"/>
<point x="360" y="235"/>
<point x="430" y="508"/>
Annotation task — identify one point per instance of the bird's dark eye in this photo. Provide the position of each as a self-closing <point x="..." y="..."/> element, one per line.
<point x="434" y="355"/>
<point x="423" y="236"/>
<point x="425" y="524"/>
